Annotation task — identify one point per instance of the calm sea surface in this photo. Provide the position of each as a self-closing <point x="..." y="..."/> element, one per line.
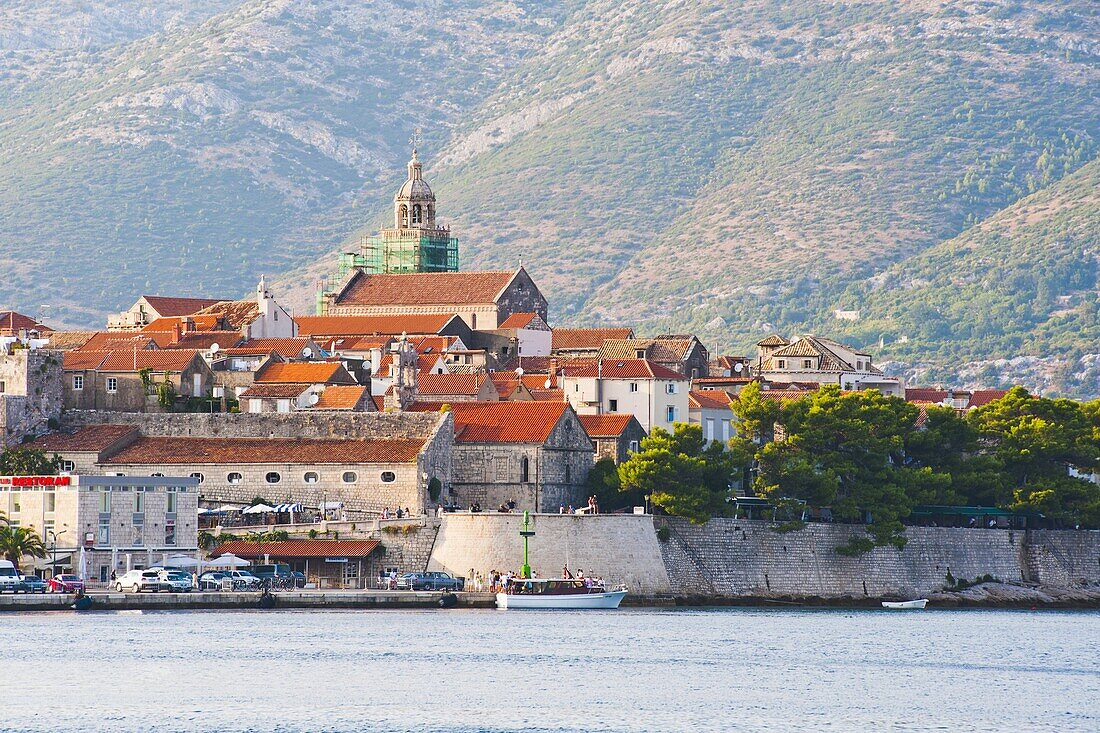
<point x="631" y="670"/>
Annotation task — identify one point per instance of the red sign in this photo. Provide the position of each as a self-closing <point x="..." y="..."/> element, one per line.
<point x="35" y="480"/>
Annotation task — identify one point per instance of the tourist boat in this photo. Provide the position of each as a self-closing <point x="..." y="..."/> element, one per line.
<point x="905" y="605"/>
<point x="566" y="593"/>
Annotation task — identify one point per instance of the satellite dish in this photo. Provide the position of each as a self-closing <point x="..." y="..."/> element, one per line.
<point x="314" y="398"/>
<point x="519" y="372"/>
<point x="547" y="383"/>
<point x="738" y="367"/>
<point x="215" y="347"/>
<point x="307" y="352"/>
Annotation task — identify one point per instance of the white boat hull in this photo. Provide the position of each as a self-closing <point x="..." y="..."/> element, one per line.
<point x="573" y="601"/>
<point x="905" y="605"/>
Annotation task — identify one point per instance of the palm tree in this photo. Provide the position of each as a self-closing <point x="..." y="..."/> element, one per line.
<point x="17" y="542"/>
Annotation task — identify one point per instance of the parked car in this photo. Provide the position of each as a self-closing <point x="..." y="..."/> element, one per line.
<point x="212" y="579"/>
<point x="136" y="581"/>
<point x="176" y="581"/>
<point x="9" y="576"/>
<point x="31" y="584"/>
<point x="244" y="578"/>
<point x="65" y="583"/>
<point x="270" y="572"/>
<point x="430" y="581"/>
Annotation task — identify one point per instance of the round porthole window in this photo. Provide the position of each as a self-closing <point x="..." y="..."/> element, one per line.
<point x="273" y="477"/>
<point x="388" y="477"/>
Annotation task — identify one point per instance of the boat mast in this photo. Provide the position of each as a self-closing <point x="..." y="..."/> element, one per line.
<point x="526" y="534"/>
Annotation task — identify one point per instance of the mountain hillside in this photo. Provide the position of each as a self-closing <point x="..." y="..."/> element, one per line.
<point x="730" y="168"/>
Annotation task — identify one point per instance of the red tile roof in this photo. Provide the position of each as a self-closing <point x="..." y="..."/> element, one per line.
<point x="168" y="306"/>
<point x="621" y="369"/>
<point x="291" y="348"/>
<point x="425" y="325"/>
<point x="587" y="338"/>
<point x="924" y="394"/>
<point x="12" y="323"/>
<point x="282" y="451"/>
<point x="298" y="548"/>
<point x="173" y="360"/>
<point x="981" y="397"/>
<point x="426" y="288"/>
<point x="518" y="320"/>
<point x="450" y="384"/>
<point x="606" y="425"/>
<point x="306" y="372"/>
<point x="336" y="397"/>
<point x="169" y="324"/>
<point x="274" y="390"/>
<point x="92" y="438"/>
<point x="110" y="340"/>
<point x="506" y="422"/>
<point x="709" y="399"/>
<point x="203" y="340"/>
<point x="538" y="381"/>
<point x="548" y="395"/>
<point x="80" y="360"/>
<point x="68" y="340"/>
<point x="236" y="313"/>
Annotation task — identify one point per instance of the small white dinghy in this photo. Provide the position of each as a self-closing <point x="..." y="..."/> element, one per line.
<point x="905" y="605"/>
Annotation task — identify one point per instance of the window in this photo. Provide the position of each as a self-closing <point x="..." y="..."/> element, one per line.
<point x="404" y="215"/>
<point x="78" y="382"/>
<point x="524" y="470"/>
<point x="15" y="500"/>
<point x="255" y="405"/>
<point x="639" y="353"/>
<point x="577" y="387"/>
<point x="633" y="446"/>
<point x="169" y="534"/>
<point x="51" y="502"/>
<point x="807" y="364"/>
<point x="273" y="477"/>
<point x="199" y="476"/>
<point x="782" y="363"/>
<point x="612" y="405"/>
<point x="859" y="365"/>
<point x="170" y="507"/>
<point x="695" y="373"/>
<point x="139" y="500"/>
<point x="418" y="214"/>
<point x="349" y="477"/>
<point x="633" y="386"/>
<point x="139" y="535"/>
<point x="112" y="385"/>
<point x="670" y="388"/>
<point x="473" y="320"/>
<point x="105" y="501"/>
<point x="156" y="474"/>
<point x="68" y="466"/>
<point x="234" y="478"/>
<point x="311" y="477"/>
<point x="3" y="388"/>
<point x="388" y="477"/>
<point x="670" y="413"/>
<point x="103" y="534"/>
<point x="283" y="406"/>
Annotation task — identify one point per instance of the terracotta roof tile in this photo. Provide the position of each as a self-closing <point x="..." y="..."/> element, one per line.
<point x="336" y="397"/>
<point x="981" y="397"/>
<point x="69" y="340"/>
<point x="92" y="438"/>
<point x="274" y="390"/>
<point x="160" y="360"/>
<point x="709" y="399"/>
<point x="548" y="395"/>
<point x="80" y="360"/>
<point x="197" y="323"/>
<point x="773" y="340"/>
<point x="306" y="372"/>
<point x="621" y="369"/>
<point x="586" y="338"/>
<point x="169" y="306"/>
<point x="203" y="340"/>
<point x="925" y="394"/>
<point x="518" y="320"/>
<point x="111" y="340"/>
<point x="450" y="384"/>
<point x="658" y="350"/>
<point x="427" y="325"/>
<point x="290" y="348"/>
<point x="284" y="451"/>
<point x="424" y="288"/>
<point x="607" y="425"/>
<point x="235" y="313"/>
<point x="506" y="422"/>
<point x="298" y="548"/>
<point x="12" y="323"/>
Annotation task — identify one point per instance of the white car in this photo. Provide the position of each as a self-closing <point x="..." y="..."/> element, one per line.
<point x="135" y="581"/>
<point x="244" y="578"/>
<point x="9" y="576"/>
<point x="176" y="581"/>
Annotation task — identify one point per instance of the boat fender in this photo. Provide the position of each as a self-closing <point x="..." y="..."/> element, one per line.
<point x="267" y="600"/>
<point x="448" y="600"/>
<point x="83" y="603"/>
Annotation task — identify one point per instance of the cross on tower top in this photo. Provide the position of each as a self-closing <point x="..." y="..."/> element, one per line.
<point x="414" y="140"/>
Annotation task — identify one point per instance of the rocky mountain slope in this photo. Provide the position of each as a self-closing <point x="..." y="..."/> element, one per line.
<point x="729" y="168"/>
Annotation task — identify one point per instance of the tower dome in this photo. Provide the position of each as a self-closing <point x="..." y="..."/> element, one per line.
<point x="414" y="203"/>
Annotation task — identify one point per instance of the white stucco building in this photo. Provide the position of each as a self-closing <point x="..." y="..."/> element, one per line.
<point x="655" y="395"/>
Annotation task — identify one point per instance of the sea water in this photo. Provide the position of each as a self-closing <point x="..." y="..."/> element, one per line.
<point x="734" y="669"/>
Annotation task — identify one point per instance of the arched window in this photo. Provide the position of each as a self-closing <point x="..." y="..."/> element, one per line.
<point x="311" y="477"/>
<point x="388" y="477"/>
<point x="197" y="475"/>
<point x="524" y="470"/>
<point x="418" y="217"/>
<point x="350" y="477"/>
<point x="473" y="321"/>
<point x="404" y="215"/>
<point x="234" y="478"/>
<point x="273" y="477"/>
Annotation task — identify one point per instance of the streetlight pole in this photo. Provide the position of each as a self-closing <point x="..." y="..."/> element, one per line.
<point x="53" y="554"/>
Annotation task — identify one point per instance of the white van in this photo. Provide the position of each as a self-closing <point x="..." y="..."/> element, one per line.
<point x="9" y="576"/>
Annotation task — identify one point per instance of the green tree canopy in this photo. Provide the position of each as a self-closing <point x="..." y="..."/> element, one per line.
<point x="680" y="473"/>
<point x="26" y="461"/>
<point x="19" y="542"/>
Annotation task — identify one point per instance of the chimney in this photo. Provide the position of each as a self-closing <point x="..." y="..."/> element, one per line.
<point x="176" y="332"/>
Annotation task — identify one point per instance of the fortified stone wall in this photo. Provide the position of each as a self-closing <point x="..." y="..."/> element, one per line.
<point x="353" y="425"/>
<point x="728" y="557"/>
<point x="32" y="393"/>
<point x="1063" y="558"/>
<point x="408" y="550"/>
<point x="621" y="548"/>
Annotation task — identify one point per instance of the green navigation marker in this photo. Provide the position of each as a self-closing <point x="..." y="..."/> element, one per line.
<point x="526" y="534"/>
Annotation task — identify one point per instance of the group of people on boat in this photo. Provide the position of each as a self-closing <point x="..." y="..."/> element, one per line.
<point x="496" y="581"/>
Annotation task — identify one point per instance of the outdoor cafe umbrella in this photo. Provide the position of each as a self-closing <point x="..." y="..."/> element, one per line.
<point x="181" y="561"/>
<point x="259" y="509"/>
<point x="228" y="508"/>
<point x="83" y="564"/>
<point x="227" y="561"/>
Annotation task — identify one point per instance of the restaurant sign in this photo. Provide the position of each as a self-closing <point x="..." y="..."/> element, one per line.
<point x="35" y="480"/>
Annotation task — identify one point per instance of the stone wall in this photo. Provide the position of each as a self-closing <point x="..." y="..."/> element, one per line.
<point x="407" y="550"/>
<point x="32" y="394"/>
<point x="621" y="548"/>
<point x="350" y="425"/>
<point x="1063" y="558"/>
<point x="747" y="558"/>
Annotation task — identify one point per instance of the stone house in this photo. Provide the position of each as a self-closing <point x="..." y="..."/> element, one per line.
<point x="13" y="324"/>
<point x="710" y="409"/>
<point x="447" y="388"/>
<point x="149" y="308"/>
<point x="811" y="359"/>
<point x="685" y="354"/>
<point x="127" y="381"/>
<point x="614" y="436"/>
<point x="584" y="343"/>
<point x="528" y="333"/>
<point x="655" y="395"/>
<point x="536" y="454"/>
<point x="484" y="300"/>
